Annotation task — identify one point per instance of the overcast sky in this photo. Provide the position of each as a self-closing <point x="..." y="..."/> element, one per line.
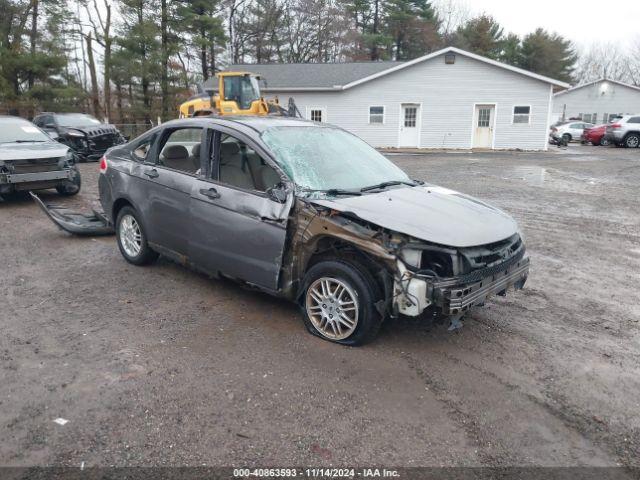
<point x="582" y="21"/>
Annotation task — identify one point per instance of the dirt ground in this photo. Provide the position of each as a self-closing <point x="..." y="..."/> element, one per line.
<point x="162" y="366"/>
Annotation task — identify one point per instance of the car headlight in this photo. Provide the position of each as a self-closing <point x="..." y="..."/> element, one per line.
<point x="74" y="133"/>
<point x="70" y="158"/>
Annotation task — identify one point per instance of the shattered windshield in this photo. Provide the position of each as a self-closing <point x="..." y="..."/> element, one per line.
<point x="15" y="130"/>
<point x="325" y="158"/>
<point x="77" y="120"/>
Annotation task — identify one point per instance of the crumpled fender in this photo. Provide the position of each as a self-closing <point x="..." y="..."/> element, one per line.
<point x="95" y="224"/>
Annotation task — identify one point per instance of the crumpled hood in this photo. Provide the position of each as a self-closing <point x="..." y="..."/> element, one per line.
<point x="25" y="151"/>
<point x="430" y="213"/>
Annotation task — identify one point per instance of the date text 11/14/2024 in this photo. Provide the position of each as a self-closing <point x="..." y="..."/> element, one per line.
<point x="315" y="473"/>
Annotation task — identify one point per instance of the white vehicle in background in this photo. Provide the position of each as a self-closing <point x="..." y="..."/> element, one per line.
<point x="569" y="131"/>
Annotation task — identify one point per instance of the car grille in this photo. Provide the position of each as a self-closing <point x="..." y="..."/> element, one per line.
<point x="105" y="141"/>
<point x="34" y="165"/>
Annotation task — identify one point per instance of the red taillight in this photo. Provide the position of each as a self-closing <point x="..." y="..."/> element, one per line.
<point x="103" y="165"/>
<point x="616" y="125"/>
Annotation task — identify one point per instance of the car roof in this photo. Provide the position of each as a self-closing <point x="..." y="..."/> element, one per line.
<point x="256" y="123"/>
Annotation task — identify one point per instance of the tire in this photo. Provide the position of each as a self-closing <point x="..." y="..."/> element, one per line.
<point x="566" y="138"/>
<point x="632" y="140"/>
<point x="359" y="321"/>
<point x="70" y="187"/>
<point x="604" y="142"/>
<point x="132" y="240"/>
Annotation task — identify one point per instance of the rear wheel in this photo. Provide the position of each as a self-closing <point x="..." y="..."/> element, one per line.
<point x="566" y="138"/>
<point x="338" y="302"/>
<point x="632" y="140"/>
<point x="132" y="240"/>
<point x="604" y="142"/>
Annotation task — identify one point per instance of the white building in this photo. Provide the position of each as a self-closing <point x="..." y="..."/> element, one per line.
<point x="597" y="102"/>
<point x="447" y="99"/>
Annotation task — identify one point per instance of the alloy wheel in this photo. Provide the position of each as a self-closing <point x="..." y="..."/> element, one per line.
<point x="130" y="235"/>
<point x="332" y="307"/>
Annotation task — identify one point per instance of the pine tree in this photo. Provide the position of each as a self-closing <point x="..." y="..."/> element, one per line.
<point x="548" y="54"/>
<point x="482" y="35"/>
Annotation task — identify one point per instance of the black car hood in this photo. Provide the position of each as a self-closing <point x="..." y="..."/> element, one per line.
<point x="27" y="151"/>
<point x="430" y="213"/>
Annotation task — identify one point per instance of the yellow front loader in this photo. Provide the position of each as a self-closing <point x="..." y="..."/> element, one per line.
<point x="238" y="94"/>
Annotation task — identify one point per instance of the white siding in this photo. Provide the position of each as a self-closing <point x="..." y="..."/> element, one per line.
<point x="447" y="94"/>
<point x="602" y="97"/>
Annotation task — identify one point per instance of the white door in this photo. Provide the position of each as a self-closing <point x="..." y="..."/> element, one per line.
<point x="483" y="122"/>
<point x="409" y="134"/>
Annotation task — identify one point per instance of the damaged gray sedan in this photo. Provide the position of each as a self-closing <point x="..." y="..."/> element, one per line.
<point x="311" y="213"/>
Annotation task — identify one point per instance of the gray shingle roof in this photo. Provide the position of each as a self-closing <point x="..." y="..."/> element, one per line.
<point x="309" y="75"/>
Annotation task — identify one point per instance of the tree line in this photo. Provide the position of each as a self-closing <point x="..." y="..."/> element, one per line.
<point x="132" y="61"/>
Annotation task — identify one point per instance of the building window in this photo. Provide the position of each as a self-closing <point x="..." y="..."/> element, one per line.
<point x="376" y="114"/>
<point x="410" y="116"/>
<point x="317" y="114"/>
<point x="521" y="114"/>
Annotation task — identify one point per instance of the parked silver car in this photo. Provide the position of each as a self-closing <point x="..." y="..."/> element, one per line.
<point x="625" y="131"/>
<point x="311" y="213"/>
<point x="569" y="131"/>
<point x="31" y="160"/>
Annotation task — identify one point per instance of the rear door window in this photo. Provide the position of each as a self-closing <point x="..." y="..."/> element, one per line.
<point x="180" y="150"/>
<point x="142" y="147"/>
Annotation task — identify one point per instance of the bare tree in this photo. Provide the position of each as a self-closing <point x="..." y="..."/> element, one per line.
<point x="452" y="14"/>
<point x="101" y="23"/>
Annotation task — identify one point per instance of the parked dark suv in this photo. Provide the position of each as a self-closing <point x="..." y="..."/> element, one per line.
<point x="86" y="135"/>
<point x="311" y="213"/>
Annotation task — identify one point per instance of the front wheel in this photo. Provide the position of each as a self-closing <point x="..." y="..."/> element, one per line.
<point x="604" y="142"/>
<point x="132" y="240"/>
<point x="70" y="187"/>
<point x="338" y="302"/>
<point x="632" y="140"/>
<point x="566" y="138"/>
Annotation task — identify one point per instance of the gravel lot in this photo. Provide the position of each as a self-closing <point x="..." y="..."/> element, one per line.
<point x="162" y="366"/>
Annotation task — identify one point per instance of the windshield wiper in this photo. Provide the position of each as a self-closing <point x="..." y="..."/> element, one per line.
<point x="26" y="141"/>
<point x="334" y="192"/>
<point x="390" y="183"/>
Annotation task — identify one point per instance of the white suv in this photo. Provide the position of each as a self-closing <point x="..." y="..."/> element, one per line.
<point x="625" y="131"/>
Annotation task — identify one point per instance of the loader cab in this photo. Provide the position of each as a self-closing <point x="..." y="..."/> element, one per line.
<point x="239" y="93"/>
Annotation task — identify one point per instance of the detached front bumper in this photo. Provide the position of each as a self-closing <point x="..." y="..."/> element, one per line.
<point x="455" y="296"/>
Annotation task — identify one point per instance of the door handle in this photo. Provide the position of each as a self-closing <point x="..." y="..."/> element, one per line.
<point x="153" y="173"/>
<point x="210" y="192"/>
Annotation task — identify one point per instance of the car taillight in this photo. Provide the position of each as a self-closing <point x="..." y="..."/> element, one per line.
<point x="103" y="165"/>
<point x="616" y="125"/>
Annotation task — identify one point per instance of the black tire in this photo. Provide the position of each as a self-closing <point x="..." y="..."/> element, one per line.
<point x="632" y="140"/>
<point x="358" y="279"/>
<point x="70" y="187"/>
<point x="604" y="142"/>
<point x="566" y="138"/>
<point x="145" y="254"/>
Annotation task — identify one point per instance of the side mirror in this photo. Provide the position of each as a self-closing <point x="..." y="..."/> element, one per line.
<point x="278" y="193"/>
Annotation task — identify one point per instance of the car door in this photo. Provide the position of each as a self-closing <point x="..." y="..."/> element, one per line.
<point x="238" y="228"/>
<point x="167" y="179"/>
